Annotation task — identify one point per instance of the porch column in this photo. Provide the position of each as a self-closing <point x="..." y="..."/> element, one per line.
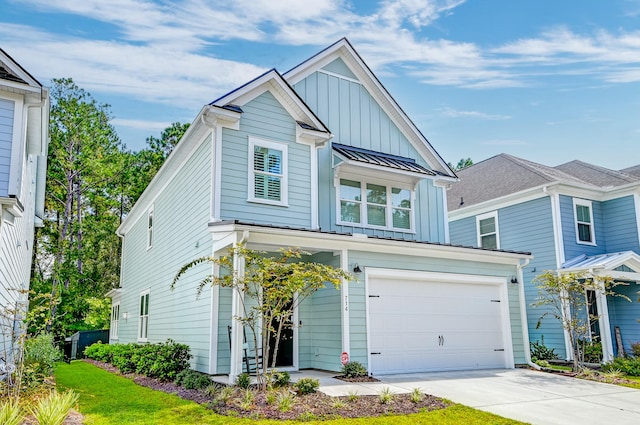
<point x="237" y="334"/>
<point x="603" y="322"/>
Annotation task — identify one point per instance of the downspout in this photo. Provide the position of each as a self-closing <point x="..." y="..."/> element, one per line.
<point x="523" y="315"/>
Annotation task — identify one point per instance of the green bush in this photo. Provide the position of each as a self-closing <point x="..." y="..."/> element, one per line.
<point x="100" y="352"/>
<point x="628" y="366"/>
<point x="592" y="351"/>
<point x="539" y="351"/>
<point x="307" y="385"/>
<point x="40" y="354"/>
<point x="281" y="379"/>
<point x="122" y="355"/>
<point x="243" y="381"/>
<point x="353" y="370"/>
<point x="635" y="349"/>
<point x="192" y="380"/>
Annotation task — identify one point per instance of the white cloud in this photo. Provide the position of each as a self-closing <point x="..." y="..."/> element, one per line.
<point x="453" y="113"/>
<point x="141" y="124"/>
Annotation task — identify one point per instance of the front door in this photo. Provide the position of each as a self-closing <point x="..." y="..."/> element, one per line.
<point x="285" y="355"/>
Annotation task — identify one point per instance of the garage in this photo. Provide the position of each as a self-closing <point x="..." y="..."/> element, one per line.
<point x="437" y="321"/>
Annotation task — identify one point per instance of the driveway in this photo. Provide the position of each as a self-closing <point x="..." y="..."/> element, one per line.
<point x="525" y="395"/>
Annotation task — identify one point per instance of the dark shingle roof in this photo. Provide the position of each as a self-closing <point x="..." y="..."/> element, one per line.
<point x="504" y="174"/>
<point x="380" y="159"/>
<point x="6" y="75"/>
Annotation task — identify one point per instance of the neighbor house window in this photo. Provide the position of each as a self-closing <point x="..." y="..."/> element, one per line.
<point x="375" y="205"/>
<point x="267" y="172"/>
<point x="143" y="325"/>
<point x="487" y="227"/>
<point x="150" y="228"/>
<point x="115" y="318"/>
<point x="584" y="221"/>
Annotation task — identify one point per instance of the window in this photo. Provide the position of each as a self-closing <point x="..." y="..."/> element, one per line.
<point x="267" y="172"/>
<point x="115" y="318"/>
<point x="150" y="228"/>
<point x="487" y="226"/>
<point x="143" y="325"/>
<point x="375" y="205"/>
<point x="584" y="222"/>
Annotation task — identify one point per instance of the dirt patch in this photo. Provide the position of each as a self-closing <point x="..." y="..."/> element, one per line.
<point x="357" y="378"/>
<point x="284" y="404"/>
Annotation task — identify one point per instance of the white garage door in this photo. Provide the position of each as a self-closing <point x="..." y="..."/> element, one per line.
<point x="425" y="325"/>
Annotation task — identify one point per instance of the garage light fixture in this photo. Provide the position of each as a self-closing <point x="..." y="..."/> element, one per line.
<point x="514" y="280"/>
<point x="356" y="269"/>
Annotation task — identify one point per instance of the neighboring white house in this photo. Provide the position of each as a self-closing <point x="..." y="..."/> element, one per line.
<point x="24" y="133"/>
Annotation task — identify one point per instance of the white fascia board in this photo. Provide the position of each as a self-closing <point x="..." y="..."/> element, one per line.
<point x="498" y="203"/>
<point x="316" y="241"/>
<point x="343" y="50"/>
<point x="15" y="67"/>
<point x="190" y="141"/>
<point x="114" y="293"/>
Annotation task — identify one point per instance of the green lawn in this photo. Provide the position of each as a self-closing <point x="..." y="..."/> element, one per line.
<point x="106" y="398"/>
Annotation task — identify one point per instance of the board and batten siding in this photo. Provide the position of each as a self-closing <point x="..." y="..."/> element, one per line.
<point x="621" y="225"/>
<point x="572" y="248"/>
<point x="358" y="301"/>
<point x="6" y="138"/>
<point x="264" y="118"/>
<point x="625" y="314"/>
<point x="356" y="119"/>
<point x="180" y="234"/>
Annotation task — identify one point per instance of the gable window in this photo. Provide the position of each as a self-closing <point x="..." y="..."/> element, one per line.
<point x="584" y="222"/>
<point x="115" y="319"/>
<point x="150" y="228"/>
<point x="267" y="172"/>
<point x="487" y="227"/>
<point x="375" y="205"/>
<point x="143" y="324"/>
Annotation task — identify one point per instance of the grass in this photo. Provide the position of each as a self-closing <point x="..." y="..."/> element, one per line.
<point x="636" y="383"/>
<point x="106" y="398"/>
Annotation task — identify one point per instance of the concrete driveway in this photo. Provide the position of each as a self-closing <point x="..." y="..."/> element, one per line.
<point x="525" y="395"/>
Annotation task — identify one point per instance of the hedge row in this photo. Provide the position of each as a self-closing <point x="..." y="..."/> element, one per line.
<point x="163" y="360"/>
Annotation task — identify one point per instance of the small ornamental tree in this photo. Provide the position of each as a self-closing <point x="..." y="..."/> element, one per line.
<point x="271" y="288"/>
<point x="565" y="296"/>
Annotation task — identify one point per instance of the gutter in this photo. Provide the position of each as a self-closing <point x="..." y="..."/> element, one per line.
<point x="523" y="315"/>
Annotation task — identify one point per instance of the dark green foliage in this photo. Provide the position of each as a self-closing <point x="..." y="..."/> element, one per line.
<point x="635" y="349"/>
<point x="539" y="351"/>
<point x="307" y="386"/>
<point x="192" y="380"/>
<point x="281" y="379"/>
<point x="629" y="366"/>
<point x="163" y="360"/>
<point x="592" y="351"/>
<point x="243" y="381"/>
<point x="353" y="370"/>
<point x="40" y="354"/>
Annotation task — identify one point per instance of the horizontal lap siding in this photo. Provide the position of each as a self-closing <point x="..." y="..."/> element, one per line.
<point x="181" y="216"/>
<point x="529" y="227"/>
<point x="621" y="226"/>
<point x="358" y="301"/>
<point x="265" y="119"/>
<point x="356" y="119"/>
<point x="625" y="314"/>
<point x="572" y="248"/>
<point x="6" y="137"/>
<point x="464" y="232"/>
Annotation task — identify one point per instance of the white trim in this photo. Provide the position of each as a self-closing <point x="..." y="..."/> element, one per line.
<point x="388" y="206"/>
<point x="145" y="338"/>
<point x="284" y="177"/>
<point x="113" y="330"/>
<point x="494" y="215"/>
<point x="18" y="140"/>
<point x="523" y="312"/>
<point x="213" y="323"/>
<point x="313" y="152"/>
<point x="557" y="228"/>
<point x="340" y="76"/>
<point x="592" y="225"/>
<point x="150" y="227"/>
<point x="237" y="334"/>
<point x="603" y="323"/>
<point x="636" y="201"/>
<point x="445" y="208"/>
<point x="344" y="303"/>
<point x="15" y="67"/>
<point x="440" y="277"/>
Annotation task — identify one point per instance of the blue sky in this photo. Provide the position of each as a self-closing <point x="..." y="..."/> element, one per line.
<point x="549" y="81"/>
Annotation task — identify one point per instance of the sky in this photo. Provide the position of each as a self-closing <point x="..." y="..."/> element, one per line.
<point x="546" y="80"/>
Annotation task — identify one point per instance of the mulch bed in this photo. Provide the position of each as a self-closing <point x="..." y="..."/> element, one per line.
<point x="310" y="406"/>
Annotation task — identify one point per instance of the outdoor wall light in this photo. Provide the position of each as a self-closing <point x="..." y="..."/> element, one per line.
<point x="514" y="279"/>
<point x="125" y="315"/>
<point x="356" y="269"/>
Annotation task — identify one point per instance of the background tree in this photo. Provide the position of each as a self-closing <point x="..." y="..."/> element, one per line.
<point x="463" y="163"/>
<point x="564" y="294"/>
<point x="271" y="289"/>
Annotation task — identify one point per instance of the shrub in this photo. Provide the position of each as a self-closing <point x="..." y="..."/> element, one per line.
<point x="307" y="385"/>
<point x="386" y="395"/>
<point x="100" y="352"/>
<point x="629" y="366"/>
<point x="635" y="349"/>
<point x="281" y="379"/>
<point x="285" y="401"/>
<point x="40" y="353"/>
<point x="54" y="408"/>
<point x="416" y="395"/>
<point x="592" y="351"/>
<point x="540" y="351"/>
<point x="122" y="355"/>
<point x="243" y="381"/>
<point x="11" y="413"/>
<point x="354" y="370"/>
<point x="192" y="380"/>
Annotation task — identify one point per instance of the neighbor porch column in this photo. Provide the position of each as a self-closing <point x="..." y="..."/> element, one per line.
<point x="603" y="322"/>
<point x="237" y="310"/>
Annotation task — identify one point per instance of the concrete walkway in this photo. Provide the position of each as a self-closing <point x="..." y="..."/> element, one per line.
<point x="526" y="395"/>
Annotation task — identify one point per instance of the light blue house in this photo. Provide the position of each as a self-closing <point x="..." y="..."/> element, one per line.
<point x="24" y="134"/>
<point x="573" y="217"/>
<point x="324" y="159"/>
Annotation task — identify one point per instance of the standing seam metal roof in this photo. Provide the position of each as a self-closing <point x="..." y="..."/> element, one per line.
<point x="367" y="156"/>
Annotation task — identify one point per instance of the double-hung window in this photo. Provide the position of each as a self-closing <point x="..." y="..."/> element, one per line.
<point x="268" y="178"/>
<point x="487" y="229"/>
<point x="115" y="321"/>
<point x="375" y="205"/>
<point x="143" y="324"/>
<point x="584" y="221"/>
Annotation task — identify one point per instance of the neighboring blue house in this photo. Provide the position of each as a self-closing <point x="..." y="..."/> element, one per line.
<point x="24" y="133"/>
<point x="573" y="217"/>
<point x="320" y="158"/>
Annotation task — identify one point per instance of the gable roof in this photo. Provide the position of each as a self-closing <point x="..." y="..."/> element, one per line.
<point x="503" y="175"/>
<point x="13" y="75"/>
<point x="620" y="265"/>
<point x="634" y="170"/>
<point x="344" y="50"/>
